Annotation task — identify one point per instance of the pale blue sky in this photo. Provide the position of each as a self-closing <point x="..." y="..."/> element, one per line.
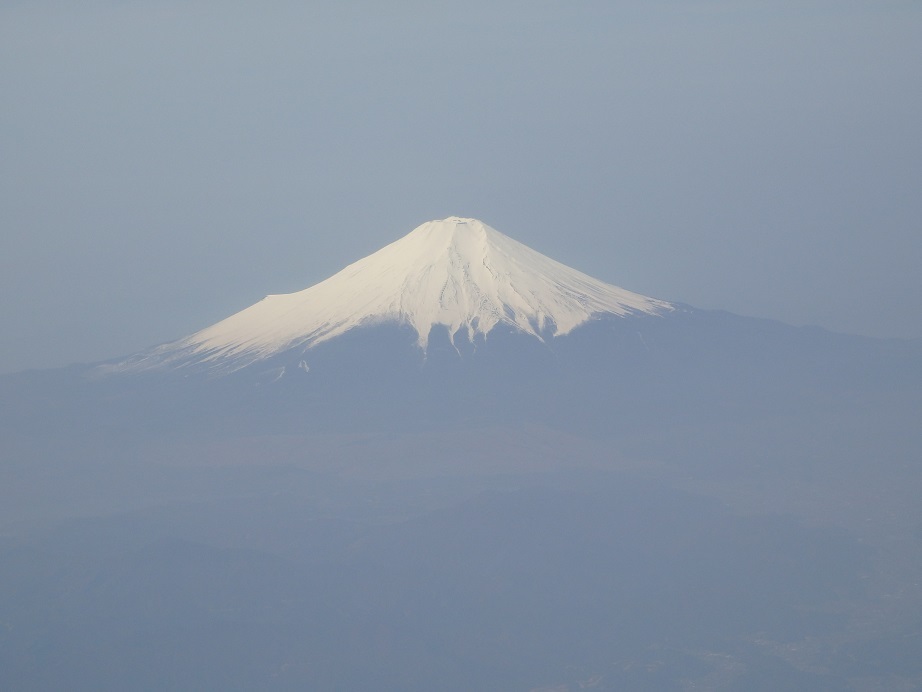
<point x="164" y="164"/>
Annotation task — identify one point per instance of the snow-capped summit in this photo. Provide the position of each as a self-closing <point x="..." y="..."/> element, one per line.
<point x="456" y="272"/>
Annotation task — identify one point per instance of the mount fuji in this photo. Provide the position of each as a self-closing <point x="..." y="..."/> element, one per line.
<point x="456" y="321"/>
<point x="459" y="464"/>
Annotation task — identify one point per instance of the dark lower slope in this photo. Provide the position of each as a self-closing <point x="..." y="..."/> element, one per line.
<point x="604" y="378"/>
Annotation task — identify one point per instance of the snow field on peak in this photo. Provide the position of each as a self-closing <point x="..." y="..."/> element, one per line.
<point x="455" y="272"/>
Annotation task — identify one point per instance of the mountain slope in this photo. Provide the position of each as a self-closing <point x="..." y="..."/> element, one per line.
<point x="455" y="272"/>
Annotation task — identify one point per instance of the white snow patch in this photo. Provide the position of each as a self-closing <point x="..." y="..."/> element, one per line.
<point x="456" y="272"/>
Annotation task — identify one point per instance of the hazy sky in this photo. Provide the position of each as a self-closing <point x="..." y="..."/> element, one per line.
<point x="165" y="164"/>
